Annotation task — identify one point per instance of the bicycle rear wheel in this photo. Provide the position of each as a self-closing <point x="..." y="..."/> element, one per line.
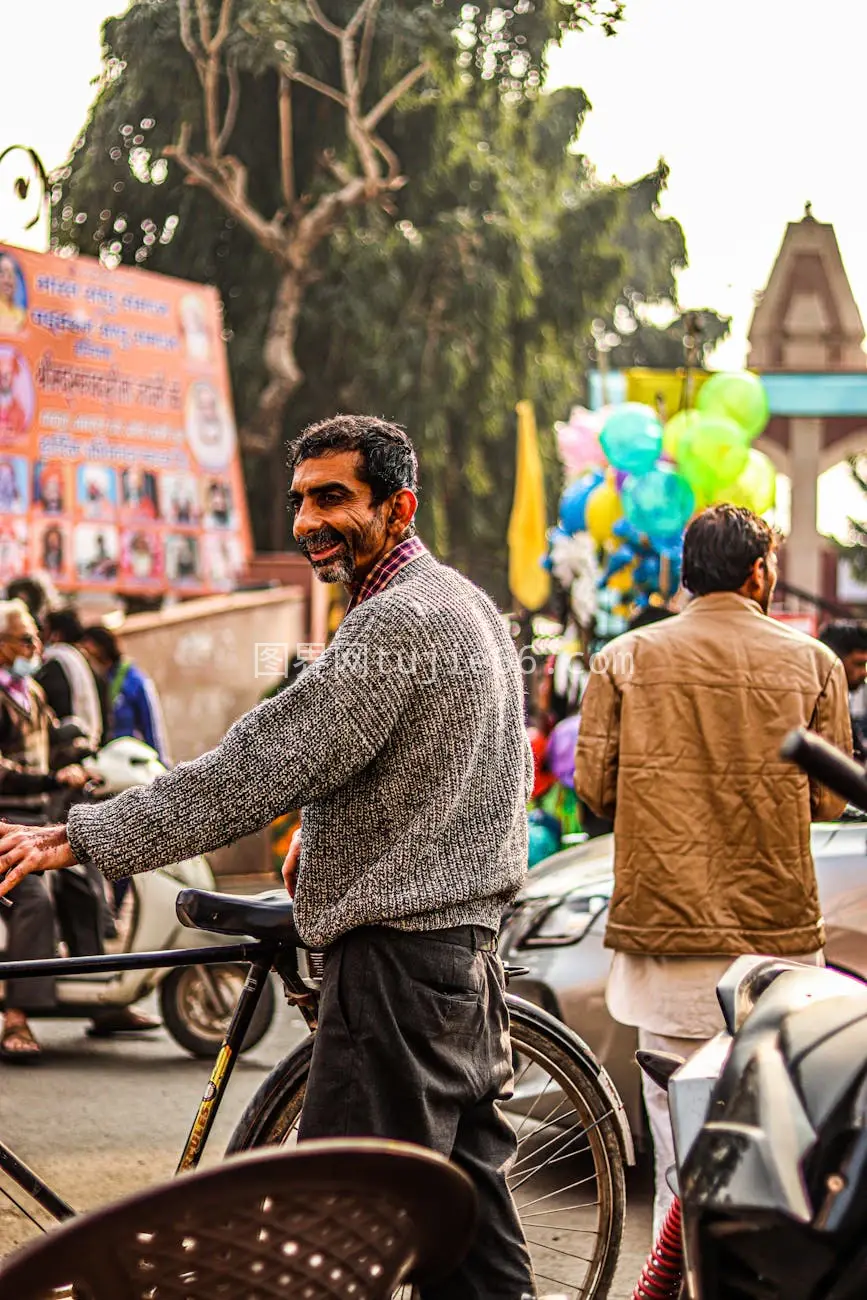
<point x="568" y="1176"/>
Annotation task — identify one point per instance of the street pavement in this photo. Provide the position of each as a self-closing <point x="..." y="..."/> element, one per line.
<point x="99" y="1119"/>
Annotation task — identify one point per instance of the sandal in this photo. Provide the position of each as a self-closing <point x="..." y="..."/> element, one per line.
<point x="21" y="1034"/>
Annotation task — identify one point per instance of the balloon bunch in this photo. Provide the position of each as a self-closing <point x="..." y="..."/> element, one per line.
<point x="633" y="485"/>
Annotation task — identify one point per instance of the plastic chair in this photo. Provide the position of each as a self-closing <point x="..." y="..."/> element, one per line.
<point x="349" y="1219"/>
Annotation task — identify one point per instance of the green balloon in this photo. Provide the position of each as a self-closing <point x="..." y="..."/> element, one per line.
<point x="674" y="431"/>
<point x="711" y="453"/>
<point x="755" y="488"/>
<point x="738" y="396"/>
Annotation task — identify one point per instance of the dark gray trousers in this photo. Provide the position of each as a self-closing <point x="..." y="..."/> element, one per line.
<point x="31" y="937"/>
<point x="413" y="1044"/>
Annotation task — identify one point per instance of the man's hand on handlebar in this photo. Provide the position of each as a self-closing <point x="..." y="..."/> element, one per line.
<point x="73" y="776"/>
<point x="291" y="863"/>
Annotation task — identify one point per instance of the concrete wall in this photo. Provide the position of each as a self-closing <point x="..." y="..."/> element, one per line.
<point x="202" y="657"/>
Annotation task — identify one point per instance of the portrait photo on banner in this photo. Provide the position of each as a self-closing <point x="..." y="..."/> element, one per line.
<point x="180" y="499"/>
<point x="51" y="549"/>
<point x="13" y="295"/>
<point x="97" y="491"/>
<point x="141" y="557"/>
<point x="139" y="496"/>
<point x="14" y="485"/>
<point x="97" y="552"/>
<point x="52" y="492"/>
<point x="17" y="394"/>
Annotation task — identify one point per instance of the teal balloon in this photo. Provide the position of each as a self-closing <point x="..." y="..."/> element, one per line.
<point x="659" y="503"/>
<point x="632" y="438"/>
<point x="573" y="502"/>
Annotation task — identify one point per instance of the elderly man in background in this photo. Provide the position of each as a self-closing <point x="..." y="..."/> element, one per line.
<point x="27" y="783"/>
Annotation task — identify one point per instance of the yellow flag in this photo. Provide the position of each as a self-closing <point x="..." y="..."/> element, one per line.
<point x="528" y="581"/>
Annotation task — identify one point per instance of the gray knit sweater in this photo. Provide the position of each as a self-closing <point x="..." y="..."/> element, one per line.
<point x="404" y="746"/>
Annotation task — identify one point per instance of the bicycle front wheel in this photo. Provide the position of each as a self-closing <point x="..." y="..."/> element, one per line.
<point x="568" y="1175"/>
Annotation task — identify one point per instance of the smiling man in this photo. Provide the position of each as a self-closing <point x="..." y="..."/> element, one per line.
<point x="404" y="746"/>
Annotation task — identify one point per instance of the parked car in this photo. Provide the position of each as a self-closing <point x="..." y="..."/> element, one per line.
<point x="555" y="930"/>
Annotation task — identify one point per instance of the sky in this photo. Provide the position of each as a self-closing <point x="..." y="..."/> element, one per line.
<point x="756" y="105"/>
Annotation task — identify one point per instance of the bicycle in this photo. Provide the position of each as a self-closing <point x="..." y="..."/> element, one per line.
<point x="568" y="1116"/>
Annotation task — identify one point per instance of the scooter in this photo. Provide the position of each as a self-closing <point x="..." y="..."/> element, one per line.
<point x="770" y="1124"/>
<point x="196" y="1002"/>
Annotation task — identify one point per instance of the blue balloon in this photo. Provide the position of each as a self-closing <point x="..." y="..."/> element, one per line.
<point x="573" y="502"/>
<point x="618" y="560"/>
<point x="659" y="503"/>
<point x="647" y="572"/>
<point x="632" y="438"/>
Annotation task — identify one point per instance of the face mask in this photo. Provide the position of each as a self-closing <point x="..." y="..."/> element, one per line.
<point x="26" y="667"/>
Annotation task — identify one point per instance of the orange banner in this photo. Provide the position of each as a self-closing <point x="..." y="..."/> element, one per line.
<point x="119" y="464"/>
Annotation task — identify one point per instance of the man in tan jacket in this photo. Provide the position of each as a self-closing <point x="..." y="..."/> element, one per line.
<point x="681" y="727"/>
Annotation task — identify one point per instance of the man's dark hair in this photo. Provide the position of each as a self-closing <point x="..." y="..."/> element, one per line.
<point x="388" y="459"/>
<point x="104" y="639"/>
<point x="32" y="592"/>
<point x="65" y="623"/>
<point x="650" y="614"/>
<point x="844" y="638"/>
<point x="721" y="546"/>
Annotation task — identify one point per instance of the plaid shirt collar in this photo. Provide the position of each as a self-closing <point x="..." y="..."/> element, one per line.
<point x="388" y="567"/>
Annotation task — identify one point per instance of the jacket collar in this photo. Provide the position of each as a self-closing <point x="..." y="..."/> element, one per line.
<point x="721" y="600"/>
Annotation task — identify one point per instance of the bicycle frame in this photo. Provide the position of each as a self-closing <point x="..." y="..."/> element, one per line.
<point x="261" y="955"/>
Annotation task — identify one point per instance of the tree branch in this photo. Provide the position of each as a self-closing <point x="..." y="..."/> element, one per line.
<point x="204" y="22"/>
<point x="223" y="27"/>
<point x="360" y="16"/>
<point x="187" y="39"/>
<point x="320" y="87"/>
<point x="231" y="108"/>
<point x="287" y="164"/>
<point x="227" y="184"/>
<point x="319" y="17"/>
<point x="367" y="44"/>
<point x="388" y="101"/>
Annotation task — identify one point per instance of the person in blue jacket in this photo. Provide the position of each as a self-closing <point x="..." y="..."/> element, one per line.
<point x="135" y="705"/>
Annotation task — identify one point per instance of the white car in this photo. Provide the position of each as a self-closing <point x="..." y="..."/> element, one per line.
<point x="556" y="926"/>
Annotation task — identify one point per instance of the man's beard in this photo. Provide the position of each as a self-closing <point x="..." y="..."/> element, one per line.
<point x="342" y="567"/>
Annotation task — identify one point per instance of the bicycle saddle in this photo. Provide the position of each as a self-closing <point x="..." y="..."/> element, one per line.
<point x="261" y="916"/>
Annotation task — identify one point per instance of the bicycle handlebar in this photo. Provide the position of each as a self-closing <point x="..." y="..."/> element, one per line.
<point x="827" y="765"/>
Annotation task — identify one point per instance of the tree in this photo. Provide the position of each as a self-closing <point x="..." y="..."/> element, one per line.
<point x="856" y="552"/>
<point x="473" y="286"/>
<point x="352" y="60"/>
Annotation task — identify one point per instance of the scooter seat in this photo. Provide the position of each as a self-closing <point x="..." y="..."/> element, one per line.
<point x="261" y="916"/>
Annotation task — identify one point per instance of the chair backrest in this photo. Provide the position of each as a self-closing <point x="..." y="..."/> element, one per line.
<point x="337" y="1218"/>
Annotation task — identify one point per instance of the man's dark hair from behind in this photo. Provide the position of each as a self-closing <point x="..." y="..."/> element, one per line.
<point x="721" y="546"/>
<point x="844" y="638"/>
<point x="65" y="623"/>
<point x="104" y="640"/>
<point x="388" y="459"/>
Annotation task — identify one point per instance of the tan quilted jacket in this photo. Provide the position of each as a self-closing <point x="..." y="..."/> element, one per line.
<point x="681" y="726"/>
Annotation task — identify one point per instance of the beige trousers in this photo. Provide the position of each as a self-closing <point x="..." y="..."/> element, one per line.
<point x="656" y="1104"/>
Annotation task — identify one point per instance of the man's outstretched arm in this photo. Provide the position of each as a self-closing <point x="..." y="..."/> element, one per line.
<point x="301" y="745"/>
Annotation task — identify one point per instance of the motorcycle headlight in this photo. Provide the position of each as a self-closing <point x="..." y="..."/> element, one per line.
<point x="567" y="921"/>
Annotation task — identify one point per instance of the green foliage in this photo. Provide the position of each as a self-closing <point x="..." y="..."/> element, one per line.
<point x="480" y="286"/>
<point x="856" y="553"/>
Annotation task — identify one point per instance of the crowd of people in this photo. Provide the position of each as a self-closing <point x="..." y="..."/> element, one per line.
<point x="65" y="690"/>
<point x="414" y="785"/>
